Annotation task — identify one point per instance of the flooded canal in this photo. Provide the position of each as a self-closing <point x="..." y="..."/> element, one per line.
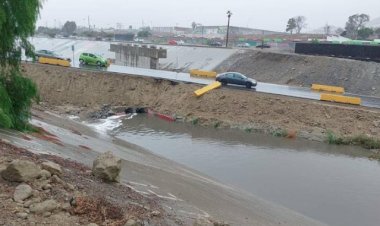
<point x="335" y="185"/>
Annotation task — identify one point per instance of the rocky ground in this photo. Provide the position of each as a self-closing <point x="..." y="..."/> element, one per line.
<point x="49" y="190"/>
<point x="357" y="77"/>
<point x="70" y="91"/>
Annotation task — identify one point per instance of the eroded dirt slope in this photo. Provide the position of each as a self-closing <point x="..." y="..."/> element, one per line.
<point x="356" y="76"/>
<point x="81" y="92"/>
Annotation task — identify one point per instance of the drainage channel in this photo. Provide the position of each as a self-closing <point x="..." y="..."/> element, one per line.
<point x="337" y="185"/>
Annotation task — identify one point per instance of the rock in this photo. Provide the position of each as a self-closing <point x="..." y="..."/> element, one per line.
<point x="46" y="206"/>
<point x="46" y="187"/>
<point x="66" y="206"/>
<point x="22" y="215"/>
<point x="92" y="224"/>
<point x="70" y="187"/>
<point x="57" y="180"/>
<point x="376" y="123"/>
<point x="21" y="171"/>
<point x="28" y="203"/>
<point x="45" y="174"/>
<point x="107" y="167"/>
<point x="221" y="224"/>
<point x="22" y="192"/>
<point x="52" y="167"/>
<point x="46" y="214"/>
<point x="132" y="222"/>
<point x="202" y="222"/>
<point x="155" y="213"/>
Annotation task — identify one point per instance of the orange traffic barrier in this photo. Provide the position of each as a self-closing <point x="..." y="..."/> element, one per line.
<point x="341" y="99"/>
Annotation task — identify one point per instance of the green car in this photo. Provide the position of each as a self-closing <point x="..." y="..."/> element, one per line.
<point x="92" y="59"/>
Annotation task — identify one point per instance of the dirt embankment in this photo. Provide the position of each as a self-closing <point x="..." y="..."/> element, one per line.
<point x="67" y="194"/>
<point x="356" y="76"/>
<point x="81" y="92"/>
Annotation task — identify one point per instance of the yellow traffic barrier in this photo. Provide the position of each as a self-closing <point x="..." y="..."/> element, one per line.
<point x="341" y="99"/>
<point x="335" y="89"/>
<point x="208" y="88"/>
<point x="54" y="61"/>
<point x="200" y="73"/>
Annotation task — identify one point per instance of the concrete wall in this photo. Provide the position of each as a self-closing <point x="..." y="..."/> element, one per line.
<point x="138" y="56"/>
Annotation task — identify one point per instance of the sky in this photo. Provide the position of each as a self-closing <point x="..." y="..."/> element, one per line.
<point x="269" y="15"/>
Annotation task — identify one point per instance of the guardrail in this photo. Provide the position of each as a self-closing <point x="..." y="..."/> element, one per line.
<point x="335" y="89"/>
<point x="341" y="99"/>
<point x="54" y="61"/>
<point x="200" y="73"/>
<point x="208" y="88"/>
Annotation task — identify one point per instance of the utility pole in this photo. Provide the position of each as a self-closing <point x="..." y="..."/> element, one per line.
<point x="229" y="14"/>
<point x="89" y="25"/>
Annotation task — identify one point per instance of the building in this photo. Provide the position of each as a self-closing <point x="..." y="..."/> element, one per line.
<point x="172" y="30"/>
<point x="221" y="31"/>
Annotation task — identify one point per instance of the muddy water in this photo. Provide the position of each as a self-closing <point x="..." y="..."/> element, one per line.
<point x="335" y="185"/>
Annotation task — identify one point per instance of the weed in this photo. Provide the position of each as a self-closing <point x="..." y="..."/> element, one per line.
<point x="195" y="121"/>
<point x="280" y="133"/>
<point x="248" y="130"/>
<point x="360" y="140"/>
<point x="217" y="124"/>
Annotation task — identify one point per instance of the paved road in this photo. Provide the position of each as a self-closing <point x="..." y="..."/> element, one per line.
<point x="292" y="91"/>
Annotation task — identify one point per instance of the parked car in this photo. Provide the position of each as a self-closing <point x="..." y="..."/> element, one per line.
<point x="173" y="42"/>
<point x="92" y="59"/>
<point x="237" y="79"/>
<point x="263" y="46"/>
<point x="49" y="54"/>
<point x="243" y="45"/>
<point x="216" y="44"/>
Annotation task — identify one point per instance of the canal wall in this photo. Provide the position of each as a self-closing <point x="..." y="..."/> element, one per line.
<point x="74" y="91"/>
<point x="138" y="56"/>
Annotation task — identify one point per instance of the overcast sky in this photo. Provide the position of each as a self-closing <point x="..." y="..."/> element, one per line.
<point x="270" y="15"/>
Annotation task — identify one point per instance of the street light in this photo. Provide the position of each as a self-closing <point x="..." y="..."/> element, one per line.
<point x="229" y="14"/>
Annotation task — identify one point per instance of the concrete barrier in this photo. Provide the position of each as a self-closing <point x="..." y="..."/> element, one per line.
<point x="54" y="61"/>
<point x="208" y="88"/>
<point x="341" y="99"/>
<point x="335" y="89"/>
<point x="200" y="73"/>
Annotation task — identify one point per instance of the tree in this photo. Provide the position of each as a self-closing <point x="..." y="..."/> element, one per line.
<point x="355" y="23"/>
<point x="365" y="32"/>
<point x="339" y="31"/>
<point x="194" y="26"/>
<point x="69" y="28"/>
<point x="377" y="32"/>
<point x="300" y="23"/>
<point x="327" y="29"/>
<point x="17" y="23"/>
<point x="144" y="34"/>
<point x="291" y="25"/>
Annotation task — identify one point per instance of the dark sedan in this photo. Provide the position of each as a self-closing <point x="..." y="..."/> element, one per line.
<point x="236" y="78"/>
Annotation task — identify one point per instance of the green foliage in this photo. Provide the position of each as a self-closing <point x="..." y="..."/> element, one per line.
<point x="280" y="133"/>
<point x="144" y="34"/>
<point x="17" y="94"/>
<point x="365" y="32"/>
<point x="360" y="140"/>
<point x="195" y="121"/>
<point x="69" y="28"/>
<point x="217" y="124"/>
<point x="17" y="23"/>
<point x="354" y="24"/>
<point x="291" y="26"/>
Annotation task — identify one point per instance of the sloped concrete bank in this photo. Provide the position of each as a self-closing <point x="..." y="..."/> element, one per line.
<point x="77" y="92"/>
<point x="357" y="77"/>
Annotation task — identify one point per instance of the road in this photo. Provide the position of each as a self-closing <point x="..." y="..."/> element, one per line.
<point x="300" y="92"/>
